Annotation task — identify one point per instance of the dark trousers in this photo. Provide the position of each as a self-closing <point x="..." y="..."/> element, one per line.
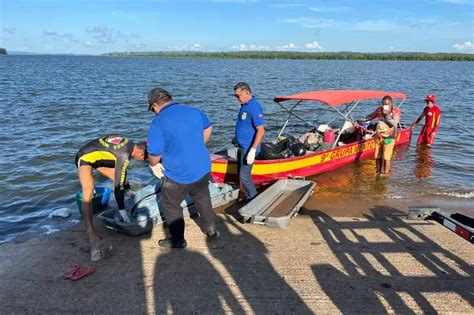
<point x="245" y="176"/>
<point x="173" y="194"/>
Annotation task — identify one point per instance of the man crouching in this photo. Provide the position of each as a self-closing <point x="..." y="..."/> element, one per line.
<point x="109" y="156"/>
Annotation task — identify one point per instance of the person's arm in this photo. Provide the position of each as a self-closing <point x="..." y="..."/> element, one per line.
<point x="419" y="118"/>
<point x="207" y="127"/>
<point x="153" y="160"/>
<point x="437" y="121"/>
<point x="258" y="137"/>
<point x="155" y="143"/>
<point x="258" y="123"/>
<point x="371" y="116"/>
<point x="120" y="179"/>
<point x="207" y="134"/>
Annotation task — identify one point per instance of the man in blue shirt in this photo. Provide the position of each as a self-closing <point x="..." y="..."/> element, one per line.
<point x="249" y="133"/>
<point x="177" y="153"/>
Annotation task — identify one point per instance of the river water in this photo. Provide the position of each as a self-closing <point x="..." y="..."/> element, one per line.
<point x="52" y="105"/>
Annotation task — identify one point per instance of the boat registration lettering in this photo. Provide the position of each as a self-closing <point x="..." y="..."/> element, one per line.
<point x="343" y="152"/>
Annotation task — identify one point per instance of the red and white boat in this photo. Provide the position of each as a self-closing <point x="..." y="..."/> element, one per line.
<point x="224" y="164"/>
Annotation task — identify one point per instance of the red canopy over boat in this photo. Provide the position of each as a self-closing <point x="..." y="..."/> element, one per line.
<point x="334" y="98"/>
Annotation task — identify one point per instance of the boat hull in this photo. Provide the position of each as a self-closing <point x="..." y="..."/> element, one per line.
<point x="224" y="169"/>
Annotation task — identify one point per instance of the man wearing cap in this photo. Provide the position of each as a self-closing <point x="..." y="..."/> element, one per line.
<point x="385" y="136"/>
<point x="249" y="133"/>
<point x="432" y="115"/>
<point x="178" y="154"/>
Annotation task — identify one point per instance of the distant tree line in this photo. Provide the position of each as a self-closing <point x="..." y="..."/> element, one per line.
<point x="343" y="55"/>
<point x="3" y="51"/>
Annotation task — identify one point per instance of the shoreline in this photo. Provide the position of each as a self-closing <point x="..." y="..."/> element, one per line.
<point x="370" y="259"/>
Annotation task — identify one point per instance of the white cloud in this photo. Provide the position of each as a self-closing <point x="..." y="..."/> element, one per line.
<point x="56" y="34"/>
<point x="97" y="29"/>
<point x="311" y="22"/>
<point x="313" y="46"/>
<point x="330" y="9"/>
<point x="196" y="47"/>
<point x="251" y="47"/>
<point x="464" y="46"/>
<point x="91" y="44"/>
<point x="288" y="47"/>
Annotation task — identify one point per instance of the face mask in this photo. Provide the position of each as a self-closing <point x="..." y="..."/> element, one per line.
<point x="386" y="107"/>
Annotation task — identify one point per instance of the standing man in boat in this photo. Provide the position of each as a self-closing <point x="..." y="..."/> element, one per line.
<point x="177" y="153"/>
<point x="389" y="117"/>
<point x="432" y="115"/>
<point x="109" y="156"/>
<point x="249" y="133"/>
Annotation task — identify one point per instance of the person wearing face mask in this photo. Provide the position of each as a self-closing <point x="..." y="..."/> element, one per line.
<point x="388" y="117"/>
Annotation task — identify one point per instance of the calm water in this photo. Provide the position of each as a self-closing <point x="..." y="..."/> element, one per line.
<point x="51" y="105"/>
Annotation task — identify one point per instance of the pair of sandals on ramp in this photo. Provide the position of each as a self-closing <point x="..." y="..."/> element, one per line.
<point x="75" y="272"/>
<point x="99" y="250"/>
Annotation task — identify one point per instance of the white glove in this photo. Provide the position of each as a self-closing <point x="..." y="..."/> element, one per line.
<point x="157" y="170"/>
<point x="251" y="156"/>
<point x="124" y="215"/>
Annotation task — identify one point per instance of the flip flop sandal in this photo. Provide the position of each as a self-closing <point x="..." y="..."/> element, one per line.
<point x="83" y="272"/>
<point x="70" y="271"/>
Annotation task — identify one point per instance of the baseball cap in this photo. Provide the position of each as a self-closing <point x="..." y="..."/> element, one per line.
<point x="431" y="98"/>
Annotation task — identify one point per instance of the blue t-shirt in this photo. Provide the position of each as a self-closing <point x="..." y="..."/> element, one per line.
<point x="250" y="117"/>
<point x="176" y="135"/>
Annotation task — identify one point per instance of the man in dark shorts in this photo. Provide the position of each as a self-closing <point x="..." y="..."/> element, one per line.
<point x="109" y="156"/>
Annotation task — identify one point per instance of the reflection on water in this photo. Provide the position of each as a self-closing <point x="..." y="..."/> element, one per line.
<point x="354" y="179"/>
<point x="424" y="162"/>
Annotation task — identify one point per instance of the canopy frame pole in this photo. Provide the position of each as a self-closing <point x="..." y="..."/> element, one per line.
<point x="345" y="116"/>
<point x="400" y="121"/>
<point x="290" y="111"/>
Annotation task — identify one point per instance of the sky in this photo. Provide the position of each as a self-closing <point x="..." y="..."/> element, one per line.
<point x="102" y="26"/>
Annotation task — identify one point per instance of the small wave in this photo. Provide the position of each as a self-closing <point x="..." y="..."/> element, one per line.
<point x="465" y="195"/>
<point x="396" y="197"/>
<point x="49" y="230"/>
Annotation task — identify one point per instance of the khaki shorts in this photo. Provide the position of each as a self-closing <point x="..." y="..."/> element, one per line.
<point x="384" y="150"/>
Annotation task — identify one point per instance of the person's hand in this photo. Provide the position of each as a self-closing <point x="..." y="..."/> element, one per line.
<point x="251" y="156"/>
<point x="123" y="213"/>
<point x="359" y="121"/>
<point x="433" y="134"/>
<point x="413" y="126"/>
<point x="157" y="170"/>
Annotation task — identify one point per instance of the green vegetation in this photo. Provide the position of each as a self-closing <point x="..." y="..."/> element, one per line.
<point x="304" y="55"/>
<point x="3" y="51"/>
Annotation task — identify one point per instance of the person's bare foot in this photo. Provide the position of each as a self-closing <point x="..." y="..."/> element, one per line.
<point x="101" y="250"/>
<point x="384" y="174"/>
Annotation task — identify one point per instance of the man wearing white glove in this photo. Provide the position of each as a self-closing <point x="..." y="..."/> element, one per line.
<point x="123" y="213"/>
<point x="249" y="133"/>
<point x="157" y="170"/>
<point x="177" y="138"/>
